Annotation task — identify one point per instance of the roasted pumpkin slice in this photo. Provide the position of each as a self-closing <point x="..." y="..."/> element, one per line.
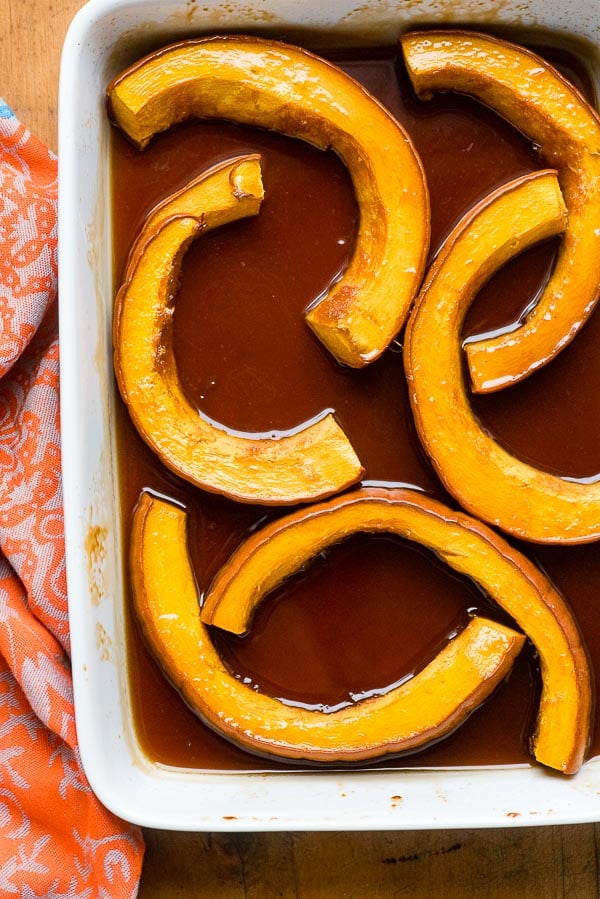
<point x="467" y="546"/>
<point x="535" y="98"/>
<point x="407" y="717"/>
<point x="314" y="461"/>
<point x="272" y="85"/>
<point x="484" y="477"/>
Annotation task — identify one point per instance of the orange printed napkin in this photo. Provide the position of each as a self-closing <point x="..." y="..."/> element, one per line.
<point x="56" y="839"/>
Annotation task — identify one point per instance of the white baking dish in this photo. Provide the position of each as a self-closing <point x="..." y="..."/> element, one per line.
<point x="105" y="36"/>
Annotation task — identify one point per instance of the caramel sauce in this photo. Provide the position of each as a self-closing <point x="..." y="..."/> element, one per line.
<point x="372" y="611"/>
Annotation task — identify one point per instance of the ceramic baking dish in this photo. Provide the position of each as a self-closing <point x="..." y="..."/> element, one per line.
<point x="104" y="37"/>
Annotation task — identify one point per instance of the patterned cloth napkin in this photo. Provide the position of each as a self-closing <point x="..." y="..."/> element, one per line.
<point x="56" y="839"/>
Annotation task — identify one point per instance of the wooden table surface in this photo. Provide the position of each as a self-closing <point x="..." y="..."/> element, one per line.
<point x="530" y="861"/>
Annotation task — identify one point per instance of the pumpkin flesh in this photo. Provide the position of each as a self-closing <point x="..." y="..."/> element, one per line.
<point x="537" y="100"/>
<point x="314" y="461"/>
<point x="485" y="478"/>
<point x="465" y="545"/>
<point x="272" y="85"/>
<point x="423" y="709"/>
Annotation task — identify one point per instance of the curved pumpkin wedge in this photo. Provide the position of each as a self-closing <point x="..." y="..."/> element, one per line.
<point x="314" y="461"/>
<point x="409" y="716"/>
<point x="484" y="477"/>
<point x="276" y="86"/>
<point x="469" y="547"/>
<point x="535" y="98"/>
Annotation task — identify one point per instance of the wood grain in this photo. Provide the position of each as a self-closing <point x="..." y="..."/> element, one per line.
<point x="547" y="862"/>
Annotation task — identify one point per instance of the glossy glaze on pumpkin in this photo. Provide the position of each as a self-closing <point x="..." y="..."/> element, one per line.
<point x="273" y="85"/>
<point x="273" y="553"/>
<point x="258" y="380"/>
<point x="314" y="461"/>
<point x="565" y="130"/>
<point x="484" y="478"/>
<point x="409" y="715"/>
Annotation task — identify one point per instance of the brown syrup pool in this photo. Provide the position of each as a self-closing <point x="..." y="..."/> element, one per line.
<point x="370" y="612"/>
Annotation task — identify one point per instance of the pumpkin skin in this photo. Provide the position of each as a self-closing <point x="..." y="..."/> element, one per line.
<point x="276" y="86"/>
<point x="316" y="460"/>
<point x="464" y="544"/>
<point x="536" y="99"/>
<point x="425" y="708"/>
